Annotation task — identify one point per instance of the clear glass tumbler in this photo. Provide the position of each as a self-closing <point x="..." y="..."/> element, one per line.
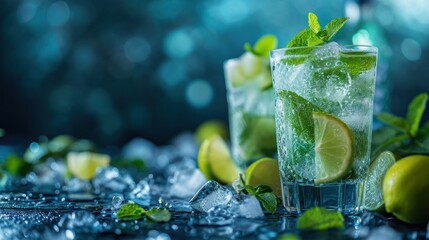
<point x="324" y="111"/>
<point x="251" y="108"/>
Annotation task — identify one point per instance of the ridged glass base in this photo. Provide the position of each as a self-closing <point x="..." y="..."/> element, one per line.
<point x="346" y="197"/>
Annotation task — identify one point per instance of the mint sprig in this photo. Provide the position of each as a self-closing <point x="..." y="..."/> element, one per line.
<point x="320" y="219"/>
<point x="403" y="135"/>
<point x="263" y="46"/>
<point x="263" y="193"/>
<point x="314" y="35"/>
<point x="132" y="211"/>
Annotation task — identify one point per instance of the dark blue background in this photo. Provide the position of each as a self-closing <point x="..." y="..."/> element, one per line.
<point x="112" y="70"/>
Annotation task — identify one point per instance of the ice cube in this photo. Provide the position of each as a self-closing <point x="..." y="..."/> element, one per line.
<point x="81" y="220"/>
<point x="49" y="173"/>
<point x="142" y="190"/>
<point x="180" y="164"/>
<point x="210" y="195"/>
<point x="384" y="232"/>
<point x="247" y="206"/>
<point x="184" y="183"/>
<point x="186" y="144"/>
<point x="162" y="159"/>
<point x="117" y="201"/>
<point x="328" y="50"/>
<point x="220" y="215"/>
<point x="111" y="179"/>
<point x="77" y="185"/>
<point x="139" y="148"/>
<point x="156" y="235"/>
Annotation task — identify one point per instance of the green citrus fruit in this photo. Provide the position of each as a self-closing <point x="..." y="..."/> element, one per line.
<point x="374" y="181"/>
<point x="215" y="161"/>
<point x="333" y="147"/>
<point x="406" y="189"/>
<point x="265" y="171"/>
<point x="83" y="165"/>
<point x="210" y="128"/>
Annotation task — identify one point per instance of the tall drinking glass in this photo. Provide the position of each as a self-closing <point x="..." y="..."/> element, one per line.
<point x="324" y="111"/>
<point x="251" y="108"/>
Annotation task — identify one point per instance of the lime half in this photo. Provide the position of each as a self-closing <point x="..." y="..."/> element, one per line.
<point x="215" y="161"/>
<point x="333" y="147"/>
<point x="374" y="181"/>
<point x="265" y="171"/>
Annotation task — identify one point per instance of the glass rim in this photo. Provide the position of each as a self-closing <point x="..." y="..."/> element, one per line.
<point x="348" y="48"/>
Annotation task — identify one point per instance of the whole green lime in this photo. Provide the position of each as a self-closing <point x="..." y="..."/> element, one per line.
<point x="406" y="189"/>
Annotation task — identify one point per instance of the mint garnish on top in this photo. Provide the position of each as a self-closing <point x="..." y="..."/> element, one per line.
<point x="315" y="35"/>
<point x="263" y="46"/>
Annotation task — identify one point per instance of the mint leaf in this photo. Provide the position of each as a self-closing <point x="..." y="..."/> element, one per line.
<point x="268" y="200"/>
<point x="313" y="36"/>
<point x="332" y="28"/>
<point x="415" y="113"/>
<point x="305" y="38"/>
<point x="130" y="211"/>
<point x="263" y="46"/>
<point x="249" y="48"/>
<point x="313" y="22"/>
<point x="394" y="121"/>
<point x="1" y="132"/>
<point x="158" y="215"/>
<point x="262" y="189"/>
<point x="320" y="219"/>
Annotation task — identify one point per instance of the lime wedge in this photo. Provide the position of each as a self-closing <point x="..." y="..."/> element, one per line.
<point x="215" y="161"/>
<point x="374" y="181"/>
<point x="333" y="147"/>
<point x="210" y="128"/>
<point x="83" y="165"/>
<point x="265" y="171"/>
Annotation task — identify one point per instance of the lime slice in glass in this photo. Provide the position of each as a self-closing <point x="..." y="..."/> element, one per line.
<point x="374" y="181"/>
<point x="83" y="165"/>
<point x="333" y="147"/>
<point x="265" y="171"/>
<point x="215" y="161"/>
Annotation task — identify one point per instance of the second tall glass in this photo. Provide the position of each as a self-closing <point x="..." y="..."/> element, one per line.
<point x="251" y="108"/>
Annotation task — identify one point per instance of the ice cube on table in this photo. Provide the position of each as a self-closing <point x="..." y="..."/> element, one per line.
<point x="77" y="185"/>
<point x="186" y="144"/>
<point x="210" y="195"/>
<point x="247" y="206"/>
<point x="142" y="190"/>
<point x="82" y="220"/>
<point x="384" y="232"/>
<point x="184" y="183"/>
<point x="111" y="179"/>
<point x="139" y="148"/>
<point x="179" y="164"/>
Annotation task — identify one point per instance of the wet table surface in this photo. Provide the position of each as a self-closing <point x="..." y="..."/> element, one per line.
<point x="52" y="214"/>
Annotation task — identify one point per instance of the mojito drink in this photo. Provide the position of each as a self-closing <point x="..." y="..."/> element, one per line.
<point x="324" y="111"/>
<point x="251" y="108"/>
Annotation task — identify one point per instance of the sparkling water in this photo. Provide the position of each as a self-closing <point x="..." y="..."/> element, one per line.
<point x="333" y="80"/>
